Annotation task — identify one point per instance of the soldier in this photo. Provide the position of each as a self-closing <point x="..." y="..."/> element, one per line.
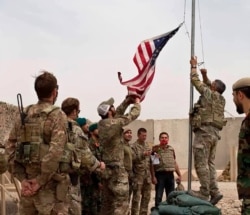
<point x="83" y="123"/>
<point x="142" y="174"/>
<point x="91" y="182"/>
<point x="207" y="120"/>
<point x="35" y="146"/>
<point x="163" y="174"/>
<point x="115" y="179"/>
<point x="241" y="98"/>
<point x="82" y="156"/>
<point x="128" y="157"/>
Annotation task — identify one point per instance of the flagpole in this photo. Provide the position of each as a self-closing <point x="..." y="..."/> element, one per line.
<point x="191" y="99"/>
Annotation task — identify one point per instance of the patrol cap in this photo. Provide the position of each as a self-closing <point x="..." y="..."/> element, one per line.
<point x="125" y="130"/>
<point x="81" y="121"/>
<point x="103" y="108"/>
<point x="92" y="127"/>
<point x="241" y="83"/>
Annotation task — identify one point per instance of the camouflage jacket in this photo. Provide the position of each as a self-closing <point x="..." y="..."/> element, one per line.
<point x="54" y="140"/>
<point x="141" y="163"/>
<point x="77" y="137"/>
<point x="243" y="178"/>
<point x="128" y="156"/>
<point x="210" y="107"/>
<point x="110" y="133"/>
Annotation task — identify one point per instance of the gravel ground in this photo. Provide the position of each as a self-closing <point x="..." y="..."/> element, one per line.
<point x="229" y="205"/>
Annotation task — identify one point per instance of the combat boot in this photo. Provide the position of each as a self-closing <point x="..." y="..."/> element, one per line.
<point x="198" y="194"/>
<point x="216" y="198"/>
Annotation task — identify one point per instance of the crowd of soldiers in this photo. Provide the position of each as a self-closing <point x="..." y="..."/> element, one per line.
<point x="67" y="165"/>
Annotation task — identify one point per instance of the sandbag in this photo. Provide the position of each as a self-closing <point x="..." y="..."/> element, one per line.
<point x="187" y="200"/>
<point x="165" y="209"/>
<point x="205" y="210"/>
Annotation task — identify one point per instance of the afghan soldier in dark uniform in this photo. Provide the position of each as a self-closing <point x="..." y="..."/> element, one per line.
<point x="207" y="120"/>
<point x="91" y="185"/>
<point x="115" y="180"/>
<point x="241" y="98"/>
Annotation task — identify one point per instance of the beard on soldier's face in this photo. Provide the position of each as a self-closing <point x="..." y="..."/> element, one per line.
<point x="239" y="108"/>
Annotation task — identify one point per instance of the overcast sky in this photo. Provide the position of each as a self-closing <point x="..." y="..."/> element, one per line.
<point x="85" y="43"/>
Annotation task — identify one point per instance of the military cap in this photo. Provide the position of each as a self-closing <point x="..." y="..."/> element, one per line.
<point x="81" y="121"/>
<point x="92" y="127"/>
<point x="103" y="108"/>
<point x="241" y="83"/>
<point x="125" y="130"/>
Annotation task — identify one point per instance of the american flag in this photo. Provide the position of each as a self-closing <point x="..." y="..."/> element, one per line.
<point x="144" y="59"/>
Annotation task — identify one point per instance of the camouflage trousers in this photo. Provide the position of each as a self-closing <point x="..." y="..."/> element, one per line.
<point x="75" y="200"/>
<point x="141" y="194"/>
<point x="115" y="192"/>
<point x="245" y="208"/>
<point x="204" y="149"/>
<point x="43" y="203"/>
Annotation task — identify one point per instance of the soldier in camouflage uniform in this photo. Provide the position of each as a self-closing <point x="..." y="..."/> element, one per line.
<point x="91" y="184"/>
<point x="163" y="174"/>
<point x="207" y="120"/>
<point x="115" y="179"/>
<point x="35" y="147"/>
<point x="128" y="157"/>
<point x="142" y="169"/>
<point x="83" y="158"/>
<point x="241" y="98"/>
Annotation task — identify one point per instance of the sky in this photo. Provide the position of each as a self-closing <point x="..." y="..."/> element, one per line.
<point x="85" y="43"/>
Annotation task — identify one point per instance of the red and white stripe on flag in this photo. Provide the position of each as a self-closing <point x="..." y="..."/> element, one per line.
<point x="144" y="59"/>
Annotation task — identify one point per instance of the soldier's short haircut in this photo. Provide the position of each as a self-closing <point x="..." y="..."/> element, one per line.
<point x="69" y="105"/>
<point x="220" y="86"/>
<point x="162" y="134"/>
<point x="45" y="84"/>
<point x="141" y="130"/>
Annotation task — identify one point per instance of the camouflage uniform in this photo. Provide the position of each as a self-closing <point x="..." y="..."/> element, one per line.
<point x="128" y="161"/>
<point x="142" y="179"/>
<point x="208" y="120"/>
<point x="90" y="189"/>
<point x="46" y="200"/>
<point x="115" y="179"/>
<point x="86" y="161"/>
<point x="243" y="179"/>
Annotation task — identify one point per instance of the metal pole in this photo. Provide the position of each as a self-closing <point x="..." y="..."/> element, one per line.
<point x="191" y="100"/>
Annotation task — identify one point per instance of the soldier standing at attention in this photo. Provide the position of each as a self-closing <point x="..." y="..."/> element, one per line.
<point x="142" y="174"/>
<point x="92" y="188"/>
<point x="207" y="120"/>
<point x="35" y="145"/>
<point x="163" y="174"/>
<point x="241" y="98"/>
<point x="85" y="159"/>
<point x="128" y="157"/>
<point x="115" y="179"/>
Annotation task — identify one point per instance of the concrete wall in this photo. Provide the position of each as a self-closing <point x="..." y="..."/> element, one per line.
<point x="178" y="130"/>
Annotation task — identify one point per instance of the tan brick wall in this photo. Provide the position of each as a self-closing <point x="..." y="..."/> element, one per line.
<point x="8" y="114"/>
